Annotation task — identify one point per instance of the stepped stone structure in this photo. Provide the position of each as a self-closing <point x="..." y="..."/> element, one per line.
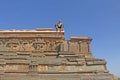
<point x="44" y="54"/>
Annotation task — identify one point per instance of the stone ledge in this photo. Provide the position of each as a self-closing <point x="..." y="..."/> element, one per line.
<point x="89" y="76"/>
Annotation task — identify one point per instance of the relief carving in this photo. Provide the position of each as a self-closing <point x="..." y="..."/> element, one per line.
<point x="39" y="45"/>
<point x="3" y="41"/>
<point x="47" y="46"/>
<point x="42" y="68"/>
<point x="28" y="47"/>
<point x="15" y="67"/>
<point x="52" y="45"/>
<point x="1" y="67"/>
<point x="3" y="44"/>
<point x="33" y="67"/>
<point x="12" y="44"/>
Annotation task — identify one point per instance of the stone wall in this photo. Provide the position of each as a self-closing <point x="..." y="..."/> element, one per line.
<point x="44" y="54"/>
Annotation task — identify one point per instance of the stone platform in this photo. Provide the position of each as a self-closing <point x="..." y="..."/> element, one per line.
<point x="44" y="54"/>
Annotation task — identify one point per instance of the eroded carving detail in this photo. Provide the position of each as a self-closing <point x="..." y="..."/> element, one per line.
<point x="39" y="45"/>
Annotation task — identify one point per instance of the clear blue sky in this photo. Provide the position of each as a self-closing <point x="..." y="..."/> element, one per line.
<point x="99" y="19"/>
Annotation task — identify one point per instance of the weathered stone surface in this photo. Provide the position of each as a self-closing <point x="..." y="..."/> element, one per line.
<point x="57" y="77"/>
<point x="44" y="54"/>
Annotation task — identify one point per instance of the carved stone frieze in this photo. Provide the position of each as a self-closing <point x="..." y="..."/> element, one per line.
<point x="36" y="44"/>
<point x="53" y="45"/>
